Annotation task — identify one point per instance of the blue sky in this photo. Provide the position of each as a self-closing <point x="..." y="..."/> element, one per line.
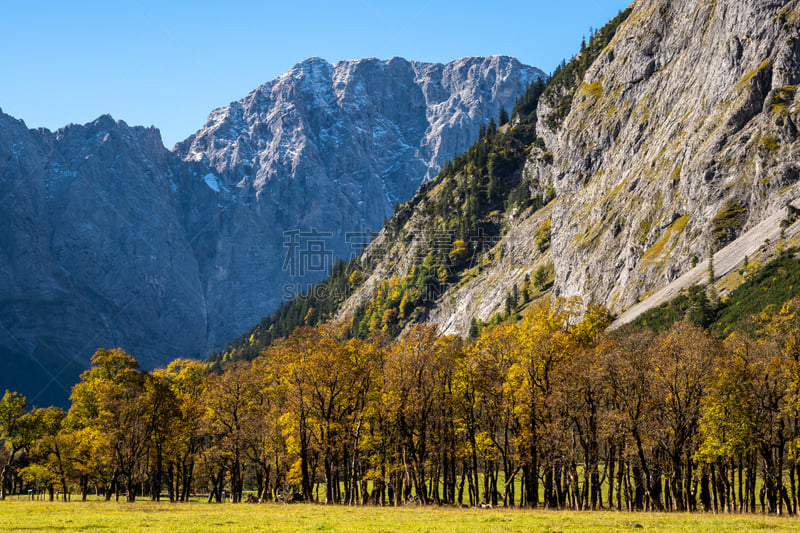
<point x="168" y="64"/>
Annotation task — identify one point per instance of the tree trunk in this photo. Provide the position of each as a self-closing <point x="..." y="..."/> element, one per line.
<point x="130" y="490"/>
<point x="155" y="480"/>
<point x="691" y="503"/>
<point x="508" y="489"/>
<point x="779" y="469"/>
<point x="329" y="487"/>
<point x="473" y="502"/>
<point x="84" y="483"/>
<point x="676" y="479"/>
<point x="530" y="474"/>
<point x="622" y="482"/>
<point x="638" y="488"/>
<point x="304" y="467"/>
<point x="170" y="481"/>
<point x="3" y="475"/>
<point x="474" y="469"/>
<point x="714" y="489"/>
<point x="188" y="474"/>
<point x="461" y="484"/>
<point x="610" y="472"/>
<point x="264" y="494"/>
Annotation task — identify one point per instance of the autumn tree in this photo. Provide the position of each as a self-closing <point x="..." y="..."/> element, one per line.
<point x="288" y="355"/>
<point x="550" y="341"/>
<point x="579" y="401"/>
<point x="625" y="368"/>
<point x="377" y="444"/>
<point x="51" y="460"/>
<point x="162" y="413"/>
<point x="682" y="360"/>
<point x="13" y="431"/>
<point x="91" y="461"/>
<point x="228" y="398"/>
<point x="487" y="366"/>
<point x="20" y="431"/>
<point x="412" y="373"/>
<point x="734" y="421"/>
<point x="107" y="403"/>
<point x="265" y="445"/>
<point x="336" y="384"/>
<point x="752" y="412"/>
<point x="187" y="380"/>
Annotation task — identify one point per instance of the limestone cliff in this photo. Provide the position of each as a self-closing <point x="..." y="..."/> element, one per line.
<point x="681" y="136"/>
<point x="677" y="138"/>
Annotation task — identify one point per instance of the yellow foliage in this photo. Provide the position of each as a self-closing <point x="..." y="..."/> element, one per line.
<point x="459" y="251"/>
<point x="355" y="279"/>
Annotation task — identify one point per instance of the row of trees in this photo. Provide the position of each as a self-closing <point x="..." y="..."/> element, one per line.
<point x="551" y="411"/>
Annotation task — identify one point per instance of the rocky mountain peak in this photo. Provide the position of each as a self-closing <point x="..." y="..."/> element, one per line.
<point x="333" y="148"/>
<point x="422" y="112"/>
<point x="112" y="240"/>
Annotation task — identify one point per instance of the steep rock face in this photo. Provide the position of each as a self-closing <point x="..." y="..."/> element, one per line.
<point x="92" y="252"/>
<point x="338" y="145"/>
<point x="682" y="135"/>
<point x="327" y="149"/>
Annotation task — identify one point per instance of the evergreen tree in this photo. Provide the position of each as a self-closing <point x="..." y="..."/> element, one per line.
<point x="503" y="118"/>
<point x="711" y="275"/>
<point x="491" y="128"/>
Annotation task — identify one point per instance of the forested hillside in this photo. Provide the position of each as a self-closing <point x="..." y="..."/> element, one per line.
<point x="765" y="290"/>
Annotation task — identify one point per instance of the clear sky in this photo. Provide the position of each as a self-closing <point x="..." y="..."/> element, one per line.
<point x="169" y="63"/>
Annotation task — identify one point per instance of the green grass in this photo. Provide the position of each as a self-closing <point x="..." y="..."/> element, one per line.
<point x="745" y="81"/>
<point x="198" y="517"/>
<point x="727" y="221"/>
<point x="595" y="90"/>
<point x="765" y="290"/>
<point x="782" y="99"/>
<point x="770" y="144"/>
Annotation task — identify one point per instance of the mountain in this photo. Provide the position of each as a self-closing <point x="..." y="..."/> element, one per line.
<point x="380" y="128"/>
<point x="311" y="163"/>
<point x="679" y="138"/>
<point x="670" y="137"/>
<point x="693" y="142"/>
<point x="109" y="239"/>
<point x="94" y="252"/>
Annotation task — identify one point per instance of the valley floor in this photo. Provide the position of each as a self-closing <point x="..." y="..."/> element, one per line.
<point x="200" y="517"/>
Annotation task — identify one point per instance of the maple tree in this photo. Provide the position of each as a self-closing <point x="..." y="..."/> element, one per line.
<point x="551" y="410"/>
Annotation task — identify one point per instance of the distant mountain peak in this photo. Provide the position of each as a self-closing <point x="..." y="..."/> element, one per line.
<point x="171" y="254"/>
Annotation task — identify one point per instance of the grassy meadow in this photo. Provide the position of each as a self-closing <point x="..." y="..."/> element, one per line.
<point x="201" y="517"/>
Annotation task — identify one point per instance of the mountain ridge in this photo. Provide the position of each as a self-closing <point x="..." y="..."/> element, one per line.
<point x="136" y="247"/>
<point x="615" y="177"/>
<point x="669" y="136"/>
